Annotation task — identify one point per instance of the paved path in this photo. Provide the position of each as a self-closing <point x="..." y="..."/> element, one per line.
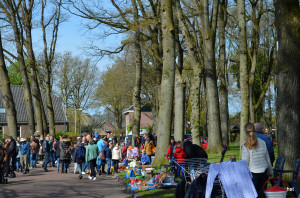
<point x="51" y="184"/>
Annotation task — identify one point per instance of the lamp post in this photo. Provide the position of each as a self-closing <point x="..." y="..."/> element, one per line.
<point x="76" y="117"/>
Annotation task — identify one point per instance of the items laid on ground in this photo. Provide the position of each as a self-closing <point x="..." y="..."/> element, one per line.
<point x="139" y="172"/>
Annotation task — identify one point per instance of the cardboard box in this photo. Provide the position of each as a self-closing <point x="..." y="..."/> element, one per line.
<point x="146" y="166"/>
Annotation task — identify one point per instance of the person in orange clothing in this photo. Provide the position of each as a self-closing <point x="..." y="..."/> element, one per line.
<point x="179" y="155"/>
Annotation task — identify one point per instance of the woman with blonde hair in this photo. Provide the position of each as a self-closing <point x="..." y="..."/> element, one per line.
<point x="116" y="156"/>
<point x="255" y="153"/>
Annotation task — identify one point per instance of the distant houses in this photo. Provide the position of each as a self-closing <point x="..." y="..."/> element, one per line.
<point x="22" y="120"/>
<point x="146" y="117"/>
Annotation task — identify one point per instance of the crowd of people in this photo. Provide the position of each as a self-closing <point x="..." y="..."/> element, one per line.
<point x="90" y="154"/>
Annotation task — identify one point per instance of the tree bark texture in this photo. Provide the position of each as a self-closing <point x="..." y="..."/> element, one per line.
<point x="7" y="97"/>
<point x="138" y="77"/>
<point x="195" y="104"/>
<point x="224" y="114"/>
<point x="212" y="96"/>
<point x="179" y="106"/>
<point x="179" y="92"/>
<point x="167" y="83"/>
<point x="244" y="77"/>
<point x="287" y="17"/>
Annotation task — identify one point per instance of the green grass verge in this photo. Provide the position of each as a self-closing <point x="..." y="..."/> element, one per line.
<point x="161" y="193"/>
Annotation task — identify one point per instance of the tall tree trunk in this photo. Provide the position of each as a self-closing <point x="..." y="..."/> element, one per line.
<point x="287" y="17"/>
<point x="195" y="104"/>
<point x="212" y="97"/>
<point x="50" y="109"/>
<point x="7" y="97"/>
<point x="244" y="79"/>
<point x="224" y="115"/>
<point x="138" y="77"/>
<point x="197" y="71"/>
<point x="26" y="11"/>
<point x="48" y="59"/>
<point x="11" y="15"/>
<point x="179" y="92"/>
<point x="167" y="84"/>
<point x="179" y="107"/>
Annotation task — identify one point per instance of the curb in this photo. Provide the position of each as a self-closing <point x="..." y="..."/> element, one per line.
<point x="127" y="188"/>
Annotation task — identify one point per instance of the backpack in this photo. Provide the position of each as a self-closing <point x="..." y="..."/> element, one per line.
<point x="80" y="153"/>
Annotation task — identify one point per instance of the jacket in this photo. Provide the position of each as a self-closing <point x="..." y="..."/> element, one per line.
<point x="91" y="152"/>
<point x="258" y="159"/>
<point x="50" y="145"/>
<point x="34" y="147"/>
<point x="65" y="149"/>
<point x="76" y="159"/>
<point x="268" y="144"/>
<point x="180" y="155"/>
<point x="25" y="148"/>
<point x="57" y="149"/>
<point x="145" y="159"/>
<point x="108" y="153"/>
<point x="116" y="153"/>
<point x="11" y="148"/>
<point x="148" y="148"/>
<point x="46" y="146"/>
<point x="171" y="151"/>
<point x="100" y="145"/>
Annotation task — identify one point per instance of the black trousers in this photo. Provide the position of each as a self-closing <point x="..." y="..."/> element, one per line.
<point x="92" y="167"/>
<point x="116" y="165"/>
<point x="10" y="165"/>
<point x="258" y="180"/>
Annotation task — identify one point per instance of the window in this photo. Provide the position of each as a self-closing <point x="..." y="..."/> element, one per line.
<point x="2" y="110"/>
<point x="2" y="131"/>
<point x="19" y="132"/>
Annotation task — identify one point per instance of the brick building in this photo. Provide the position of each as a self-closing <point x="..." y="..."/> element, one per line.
<point x="146" y="116"/>
<point x="22" y="120"/>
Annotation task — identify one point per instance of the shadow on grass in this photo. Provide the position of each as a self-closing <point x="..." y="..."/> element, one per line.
<point x="161" y="193"/>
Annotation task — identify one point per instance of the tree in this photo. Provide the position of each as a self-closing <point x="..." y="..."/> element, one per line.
<point x="48" y="55"/>
<point x="7" y="98"/>
<point x="25" y="12"/>
<point x="244" y="76"/>
<point x="287" y="17"/>
<point x="138" y="75"/>
<point x="224" y="114"/>
<point x="10" y="10"/>
<point x="167" y="83"/>
<point x="15" y="77"/>
<point x="114" y="90"/>
<point x="208" y="31"/>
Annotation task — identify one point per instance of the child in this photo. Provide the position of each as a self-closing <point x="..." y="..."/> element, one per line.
<point x="180" y="155"/>
<point x="144" y="158"/>
<point x="116" y="156"/>
<point x="108" y="156"/>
